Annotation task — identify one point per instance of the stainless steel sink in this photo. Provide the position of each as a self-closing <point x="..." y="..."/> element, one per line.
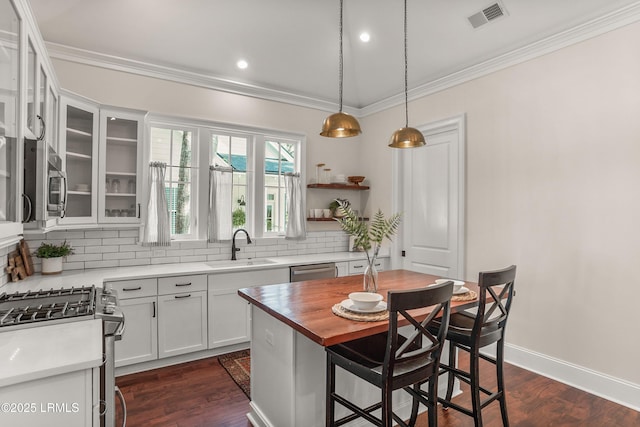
<point x="241" y="263"/>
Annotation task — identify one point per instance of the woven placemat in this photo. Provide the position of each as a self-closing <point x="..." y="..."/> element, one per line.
<point x="467" y="296"/>
<point x="339" y="310"/>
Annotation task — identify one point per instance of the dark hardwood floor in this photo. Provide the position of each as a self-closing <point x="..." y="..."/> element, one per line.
<point x="201" y="394"/>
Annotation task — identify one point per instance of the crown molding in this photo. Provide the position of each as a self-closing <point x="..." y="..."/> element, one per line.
<point x="614" y="20"/>
<point x="611" y="21"/>
<point x="111" y="62"/>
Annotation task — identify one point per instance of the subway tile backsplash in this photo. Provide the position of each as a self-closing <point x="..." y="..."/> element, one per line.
<point x="99" y="248"/>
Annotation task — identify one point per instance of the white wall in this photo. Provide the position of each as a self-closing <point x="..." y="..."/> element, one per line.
<point x="553" y="163"/>
<point x="553" y="168"/>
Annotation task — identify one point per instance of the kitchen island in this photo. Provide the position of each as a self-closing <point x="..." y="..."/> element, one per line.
<point x="291" y="325"/>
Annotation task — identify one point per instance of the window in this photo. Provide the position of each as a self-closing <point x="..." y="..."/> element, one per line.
<point x="258" y="200"/>
<point x="231" y="151"/>
<point x="279" y="158"/>
<point x="174" y="147"/>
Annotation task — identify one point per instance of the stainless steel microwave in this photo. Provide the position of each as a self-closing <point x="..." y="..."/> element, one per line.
<point x="45" y="183"/>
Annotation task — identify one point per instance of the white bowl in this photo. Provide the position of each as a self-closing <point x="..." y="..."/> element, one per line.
<point x="365" y="300"/>
<point x="457" y="284"/>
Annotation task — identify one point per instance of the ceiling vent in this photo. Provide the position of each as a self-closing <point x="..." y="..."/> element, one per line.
<point x="489" y="13"/>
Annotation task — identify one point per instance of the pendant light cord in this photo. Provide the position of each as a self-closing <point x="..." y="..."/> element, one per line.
<point x="406" y="81"/>
<point x="341" y="64"/>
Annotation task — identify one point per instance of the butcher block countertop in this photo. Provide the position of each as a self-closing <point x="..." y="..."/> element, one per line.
<point x="306" y="306"/>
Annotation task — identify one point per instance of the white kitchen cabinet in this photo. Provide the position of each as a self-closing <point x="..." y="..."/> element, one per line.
<point x="79" y="143"/>
<point x="140" y="341"/>
<point x="121" y="153"/>
<point x="358" y="267"/>
<point x="182" y="315"/>
<point x="182" y="325"/>
<point x="10" y="225"/>
<point x="342" y="269"/>
<point x="138" y="301"/>
<point x="70" y="400"/>
<point x="230" y="315"/>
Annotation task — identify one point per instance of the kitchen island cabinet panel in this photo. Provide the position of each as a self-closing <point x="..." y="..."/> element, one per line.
<point x="182" y="323"/>
<point x="140" y="341"/>
<point x="229" y="315"/>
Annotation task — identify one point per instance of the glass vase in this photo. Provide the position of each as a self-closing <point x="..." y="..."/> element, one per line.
<point x="370" y="278"/>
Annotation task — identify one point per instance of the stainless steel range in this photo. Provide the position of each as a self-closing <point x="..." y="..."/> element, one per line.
<point x="38" y="308"/>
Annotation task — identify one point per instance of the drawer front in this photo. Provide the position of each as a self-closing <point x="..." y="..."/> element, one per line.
<point x="357" y="267"/>
<point x="135" y="288"/>
<point x="180" y="284"/>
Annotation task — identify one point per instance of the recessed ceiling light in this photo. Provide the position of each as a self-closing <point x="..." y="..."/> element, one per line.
<point x="242" y="64"/>
<point x="365" y="37"/>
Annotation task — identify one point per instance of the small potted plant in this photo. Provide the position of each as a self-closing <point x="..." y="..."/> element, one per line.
<point x="337" y="206"/>
<point x="51" y="255"/>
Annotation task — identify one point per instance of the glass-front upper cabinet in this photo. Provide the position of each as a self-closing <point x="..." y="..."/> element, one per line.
<point x="10" y="225"/>
<point x="79" y="143"/>
<point x="121" y="136"/>
<point x="31" y="89"/>
<point x="51" y="119"/>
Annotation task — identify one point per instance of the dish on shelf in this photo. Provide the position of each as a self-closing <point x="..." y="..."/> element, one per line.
<point x="348" y="305"/>
<point x="356" y="179"/>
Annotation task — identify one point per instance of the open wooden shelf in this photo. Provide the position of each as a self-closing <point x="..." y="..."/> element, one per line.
<point x="339" y="186"/>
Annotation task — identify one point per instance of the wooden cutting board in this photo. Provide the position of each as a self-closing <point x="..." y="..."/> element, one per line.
<point x="25" y="253"/>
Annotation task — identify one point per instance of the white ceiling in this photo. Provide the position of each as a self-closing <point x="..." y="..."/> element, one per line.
<point x="292" y="45"/>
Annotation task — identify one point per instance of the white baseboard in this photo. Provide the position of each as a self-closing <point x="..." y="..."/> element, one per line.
<point x="614" y="389"/>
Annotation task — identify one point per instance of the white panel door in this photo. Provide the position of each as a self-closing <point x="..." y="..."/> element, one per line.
<point x="432" y="200"/>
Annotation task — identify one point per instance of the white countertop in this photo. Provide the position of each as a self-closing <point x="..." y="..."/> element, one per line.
<point x="98" y="275"/>
<point x="39" y="352"/>
<point x="42" y="351"/>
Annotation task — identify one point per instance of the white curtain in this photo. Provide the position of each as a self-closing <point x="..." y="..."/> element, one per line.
<point x="296" y="221"/>
<point x="220" y="193"/>
<point x="157" y="230"/>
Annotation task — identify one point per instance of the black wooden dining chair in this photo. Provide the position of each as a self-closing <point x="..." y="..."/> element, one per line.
<point x="471" y="332"/>
<point x="392" y="360"/>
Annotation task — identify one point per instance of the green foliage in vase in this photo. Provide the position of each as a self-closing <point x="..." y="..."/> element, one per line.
<point x="50" y="250"/>
<point x="369" y="235"/>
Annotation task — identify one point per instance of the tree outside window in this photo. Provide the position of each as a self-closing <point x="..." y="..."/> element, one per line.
<point x="173" y="147"/>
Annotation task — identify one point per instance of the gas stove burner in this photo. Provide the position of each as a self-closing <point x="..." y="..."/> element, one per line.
<point x="21" y="296"/>
<point x="35" y="306"/>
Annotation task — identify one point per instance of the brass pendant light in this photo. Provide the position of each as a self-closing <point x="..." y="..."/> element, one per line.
<point x="406" y="137"/>
<point x="340" y="124"/>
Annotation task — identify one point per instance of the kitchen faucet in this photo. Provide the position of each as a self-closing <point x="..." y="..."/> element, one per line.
<point x="233" y="242"/>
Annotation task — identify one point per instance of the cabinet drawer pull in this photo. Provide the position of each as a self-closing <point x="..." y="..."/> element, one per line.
<point x="182" y="296"/>
<point x="358" y="266"/>
<point x="154" y="309"/>
<point x="183" y="284"/>
<point x="132" y="289"/>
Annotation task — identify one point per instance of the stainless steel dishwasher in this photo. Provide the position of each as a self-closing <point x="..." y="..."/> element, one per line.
<point x="299" y="273"/>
